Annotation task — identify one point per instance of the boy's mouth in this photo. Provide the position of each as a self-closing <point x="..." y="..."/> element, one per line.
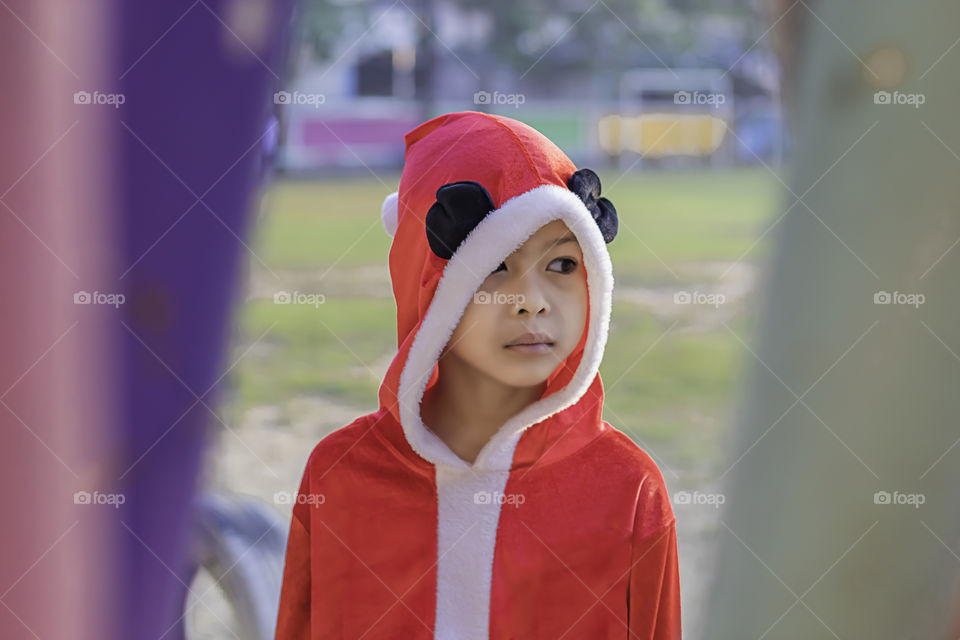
<point x="531" y="343"/>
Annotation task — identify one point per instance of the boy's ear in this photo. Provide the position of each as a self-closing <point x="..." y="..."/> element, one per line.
<point x="586" y="184"/>
<point x="460" y="206"/>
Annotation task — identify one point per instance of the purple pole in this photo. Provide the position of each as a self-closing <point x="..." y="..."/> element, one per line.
<point x="198" y="79"/>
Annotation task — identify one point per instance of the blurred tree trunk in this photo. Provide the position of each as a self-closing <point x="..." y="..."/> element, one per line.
<point x="852" y="405"/>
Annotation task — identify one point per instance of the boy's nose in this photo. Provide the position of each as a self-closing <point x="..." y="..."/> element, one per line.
<point x="529" y="300"/>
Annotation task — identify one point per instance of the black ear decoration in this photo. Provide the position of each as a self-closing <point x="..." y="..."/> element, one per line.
<point x="460" y="206"/>
<point x="586" y="184"/>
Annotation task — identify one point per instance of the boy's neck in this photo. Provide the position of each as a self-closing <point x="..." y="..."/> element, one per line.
<point x="465" y="407"/>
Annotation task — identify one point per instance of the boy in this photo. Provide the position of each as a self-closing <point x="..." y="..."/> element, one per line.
<point x="487" y="498"/>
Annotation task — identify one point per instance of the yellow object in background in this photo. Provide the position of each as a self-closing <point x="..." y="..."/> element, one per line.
<point x="661" y="134"/>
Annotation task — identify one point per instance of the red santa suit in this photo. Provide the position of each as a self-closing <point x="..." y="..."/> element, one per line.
<point x="562" y="527"/>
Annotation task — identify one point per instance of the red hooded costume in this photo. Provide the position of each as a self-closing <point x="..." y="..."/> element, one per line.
<point x="562" y="527"/>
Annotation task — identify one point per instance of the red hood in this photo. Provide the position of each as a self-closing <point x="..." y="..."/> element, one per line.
<point x="526" y="176"/>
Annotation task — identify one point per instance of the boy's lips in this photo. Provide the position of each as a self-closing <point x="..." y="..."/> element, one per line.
<point x="531" y="342"/>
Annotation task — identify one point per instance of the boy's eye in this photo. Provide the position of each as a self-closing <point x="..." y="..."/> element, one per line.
<point x="564" y="265"/>
<point x="560" y="265"/>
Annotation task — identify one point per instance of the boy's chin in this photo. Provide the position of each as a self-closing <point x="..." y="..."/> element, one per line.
<point x="523" y="376"/>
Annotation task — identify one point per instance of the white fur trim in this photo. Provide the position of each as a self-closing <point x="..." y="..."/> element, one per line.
<point x="469" y="513"/>
<point x="389" y="213"/>
<point x="467" y="531"/>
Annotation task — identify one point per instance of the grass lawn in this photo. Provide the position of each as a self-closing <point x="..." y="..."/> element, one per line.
<point x="325" y="236"/>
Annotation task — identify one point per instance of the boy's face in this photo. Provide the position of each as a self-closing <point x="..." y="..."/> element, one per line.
<point x="540" y="289"/>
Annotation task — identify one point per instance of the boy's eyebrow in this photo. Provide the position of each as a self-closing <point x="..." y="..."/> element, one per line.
<point x="558" y="241"/>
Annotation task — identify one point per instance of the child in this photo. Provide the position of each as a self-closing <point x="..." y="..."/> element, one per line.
<point x="487" y="498"/>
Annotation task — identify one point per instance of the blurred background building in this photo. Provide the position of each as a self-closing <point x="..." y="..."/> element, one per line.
<point x="680" y="82"/>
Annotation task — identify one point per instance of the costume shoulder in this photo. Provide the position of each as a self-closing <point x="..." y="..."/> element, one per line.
<point x="337" y="451"/>
<point x="654" y="510"/>
<point x="335" y="446"/>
